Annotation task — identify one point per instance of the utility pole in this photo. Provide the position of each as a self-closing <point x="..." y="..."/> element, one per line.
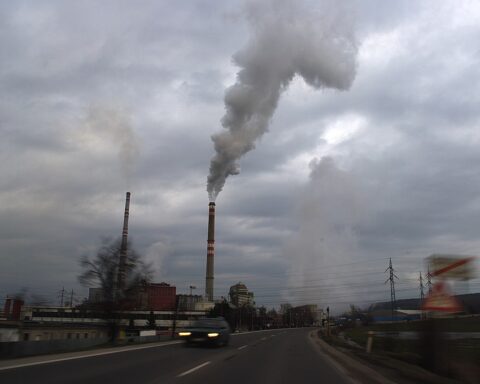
<point x="328" y="321"/>
<point x="175" y="315"/>
<point x="71" y="299"/>
<point x="62" y="294"/>
<point x="422" y="295"/>
<point x="192" y="287"/>
<point x="392" y="278"/>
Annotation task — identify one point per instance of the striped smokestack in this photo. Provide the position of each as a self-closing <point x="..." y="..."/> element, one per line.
<point x="210" y="251"/>
<point x="123" y="248"/>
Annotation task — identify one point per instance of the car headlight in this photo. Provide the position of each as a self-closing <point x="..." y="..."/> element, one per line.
<point x="213" y="334"/>
<point x="184" y="333"/>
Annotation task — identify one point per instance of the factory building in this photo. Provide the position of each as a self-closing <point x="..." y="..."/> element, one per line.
<point x="12" y="308"/>
<point x="150" y="297"/>
<point x="160" y="297"/>
<point x="189" y="302"/>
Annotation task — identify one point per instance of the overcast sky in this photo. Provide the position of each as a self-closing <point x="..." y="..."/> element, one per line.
<point x="101" y="97"/>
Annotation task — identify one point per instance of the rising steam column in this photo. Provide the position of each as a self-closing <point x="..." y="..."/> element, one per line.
<point x="210" y="252"/>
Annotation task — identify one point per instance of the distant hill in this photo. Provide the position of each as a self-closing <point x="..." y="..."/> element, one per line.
<point x="471" y="303"/>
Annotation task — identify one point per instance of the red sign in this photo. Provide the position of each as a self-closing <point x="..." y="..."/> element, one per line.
<point x="456" y="267"/>
<point x="441" y="300"/>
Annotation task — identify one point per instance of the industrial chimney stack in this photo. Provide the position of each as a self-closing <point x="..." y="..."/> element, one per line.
<point x="210" y="251"/>
<point x="123" y="248"/>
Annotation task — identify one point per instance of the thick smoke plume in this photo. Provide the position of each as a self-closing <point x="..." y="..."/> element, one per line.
<point x="286" y="39"/>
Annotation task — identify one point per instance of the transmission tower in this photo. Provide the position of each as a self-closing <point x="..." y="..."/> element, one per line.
<point x="429" y="281"/>
<point x="391" y="278"/>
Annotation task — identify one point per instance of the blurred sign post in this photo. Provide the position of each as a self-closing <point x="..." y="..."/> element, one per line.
<point x="447" y="267"/>
<point x="454" y="267"/>
<point x="441" y="300"/>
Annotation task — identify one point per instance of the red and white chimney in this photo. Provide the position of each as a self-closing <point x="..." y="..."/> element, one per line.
<point x="210" y="252"/>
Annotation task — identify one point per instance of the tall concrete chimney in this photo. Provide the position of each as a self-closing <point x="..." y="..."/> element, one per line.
<point x="210" y="251"/>
<point x="122" y="263"/>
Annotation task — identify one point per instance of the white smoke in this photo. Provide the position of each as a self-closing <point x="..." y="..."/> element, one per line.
<point x="108" y="128"/>
<point x="331" y="208"/>
<point x="286" y="39"/>
<point x="156" y="255"/>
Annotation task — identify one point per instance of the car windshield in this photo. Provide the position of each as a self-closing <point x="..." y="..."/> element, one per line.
<point x="208" y="323"/>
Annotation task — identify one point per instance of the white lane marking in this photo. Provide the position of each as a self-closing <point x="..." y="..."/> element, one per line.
<point x="272" y="335"/>
<point x="89" y="355"/>
<point x="263" y="338"/>
<point x="243" y="346"/>
<point x="194" y="369"/>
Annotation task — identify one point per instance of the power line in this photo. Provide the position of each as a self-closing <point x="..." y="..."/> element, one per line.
<point x="323" y="301"/>
<point x="311" y="269"/>
<point x="329" y="296"/>
<point x="330" y="288"/>
<point x="329" y="285"/>
<point x="333" y="276"/>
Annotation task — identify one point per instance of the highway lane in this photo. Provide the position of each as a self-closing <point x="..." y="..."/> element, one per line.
<point x="278" y="356"/>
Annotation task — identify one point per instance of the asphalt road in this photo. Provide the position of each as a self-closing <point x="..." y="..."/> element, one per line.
<point x="278" y="356"/>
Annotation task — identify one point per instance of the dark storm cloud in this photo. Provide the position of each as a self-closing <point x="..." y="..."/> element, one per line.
<point x="403" y="142"/>
<point x="62" y="60"/>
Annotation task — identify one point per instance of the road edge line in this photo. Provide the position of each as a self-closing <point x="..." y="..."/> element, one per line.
<point x="132" y="348"/>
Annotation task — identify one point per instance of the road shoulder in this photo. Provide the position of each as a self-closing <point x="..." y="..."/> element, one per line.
<point x="355" y="371"/>
<point x="370" y="368"/>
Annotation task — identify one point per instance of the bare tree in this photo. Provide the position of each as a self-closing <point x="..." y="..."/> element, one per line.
<point x="101" y="271"/>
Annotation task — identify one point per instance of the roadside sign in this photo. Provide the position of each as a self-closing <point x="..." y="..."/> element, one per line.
<point x="455" y="267"/>
<point x="440" y="300"/>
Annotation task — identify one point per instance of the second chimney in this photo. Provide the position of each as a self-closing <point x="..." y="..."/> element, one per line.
<point x="210" y="252"/>
<point x="122" y="263"/>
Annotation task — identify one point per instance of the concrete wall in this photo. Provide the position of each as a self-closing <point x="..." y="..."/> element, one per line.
<point x="9" y="334"/>
<point x="43" y="334"/>
<point x="30" y="348"/>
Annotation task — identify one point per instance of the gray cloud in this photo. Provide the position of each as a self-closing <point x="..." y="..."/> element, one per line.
<point x="402" y="181"/>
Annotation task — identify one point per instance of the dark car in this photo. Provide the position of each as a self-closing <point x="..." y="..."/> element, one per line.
<point x="209" y="331"/>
